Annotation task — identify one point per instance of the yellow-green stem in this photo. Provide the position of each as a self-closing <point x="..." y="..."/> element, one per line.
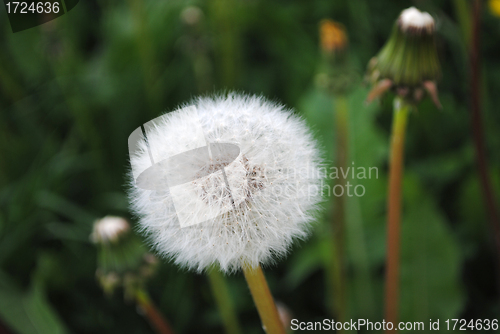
<point x="263" y="300"/>
<point x="224" y="302"/>
<point x="400" y="118"/>
<point x="158" y="322"/>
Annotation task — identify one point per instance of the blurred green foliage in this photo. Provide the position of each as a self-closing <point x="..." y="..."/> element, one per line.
<point x="73" y="89"/>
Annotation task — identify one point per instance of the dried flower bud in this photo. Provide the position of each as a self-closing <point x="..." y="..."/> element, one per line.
<point x="408" y="62"/>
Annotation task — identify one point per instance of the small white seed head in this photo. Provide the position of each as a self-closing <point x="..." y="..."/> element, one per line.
<point x="412" y="19"/>
<point x="109" y="229"/>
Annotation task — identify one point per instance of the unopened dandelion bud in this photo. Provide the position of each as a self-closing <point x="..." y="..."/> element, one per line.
<point x="108" y="281"/>
<point x="336" y="75"/>
<point x="333" y="37"/>
<point x="409" y="60"/>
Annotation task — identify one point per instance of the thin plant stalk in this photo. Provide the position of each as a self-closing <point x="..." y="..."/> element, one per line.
<point x="339" y="288"/>
<point x="263" y="300"/>
<point x="157" y="321"/>
<point x="400" y="118"/>
<point x="477" y="128"/>
<point x="224" y="302"/>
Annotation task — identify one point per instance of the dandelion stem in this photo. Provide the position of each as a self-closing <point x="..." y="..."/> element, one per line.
<point x="157" y="321"/>
<point x="263" y="300"/>
<point x="224" y="302"/>
<point x="400" y="118"/>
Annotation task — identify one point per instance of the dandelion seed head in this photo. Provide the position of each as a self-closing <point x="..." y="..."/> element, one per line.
<point x="413" y="19"/>
<point x="268" y="195"/>
<point x="109" y="229"/>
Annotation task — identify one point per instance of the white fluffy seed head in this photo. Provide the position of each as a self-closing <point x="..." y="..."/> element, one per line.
<point x="109" y="229"/>
<point x="412" y="19"/>
<point x="268" y="194"/>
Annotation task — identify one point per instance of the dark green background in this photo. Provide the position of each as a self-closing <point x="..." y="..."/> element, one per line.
<point x="73" y="89"/>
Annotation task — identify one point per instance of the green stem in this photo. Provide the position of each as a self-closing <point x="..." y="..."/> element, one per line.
<point x="157" y="321"/>
<point x="263" y="300"/>
<point x="400" y="118"/>
<point x="224" y="302"/>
